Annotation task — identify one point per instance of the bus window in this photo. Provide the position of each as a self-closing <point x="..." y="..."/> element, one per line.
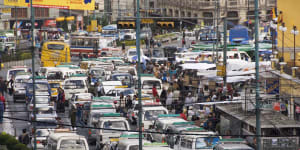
<point x="55" y="47"/>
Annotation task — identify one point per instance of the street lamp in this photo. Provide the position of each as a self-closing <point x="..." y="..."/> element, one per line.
<point x="283" y="29"/>
<point x="295" y="32"/>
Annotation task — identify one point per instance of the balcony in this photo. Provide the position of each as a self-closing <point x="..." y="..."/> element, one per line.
<point x="232" y="3"/>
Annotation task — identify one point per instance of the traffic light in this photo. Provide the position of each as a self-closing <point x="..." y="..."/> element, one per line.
<point x="165" y="24"/>
<point x="96" y="7"/>
<point x="126" y="25"/>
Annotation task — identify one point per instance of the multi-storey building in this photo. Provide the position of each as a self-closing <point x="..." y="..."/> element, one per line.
<point x="237" y="11"/>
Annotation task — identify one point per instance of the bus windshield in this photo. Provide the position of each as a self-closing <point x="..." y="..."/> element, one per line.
<point x="55" y="47"/>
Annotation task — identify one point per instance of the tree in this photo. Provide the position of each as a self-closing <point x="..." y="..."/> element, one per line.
<point x="11" y="143"/>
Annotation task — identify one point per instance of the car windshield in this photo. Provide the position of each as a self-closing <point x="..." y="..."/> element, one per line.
<point x="158" y="53"/>
<point x="149" y="84"/>
<point x="206" y="142"/>
<point x="55" y="75"/>
<point x="126" y="92"/>
<point x="54" y="85"/>
<point x="126" y="79"/>
<point x="74" y="84"/>
<point x="20" y="85"/>
<point x="72" y="144"/>
<point x="45" y="124"/>
<point x="38" y="87"/>
<point x="83" y="97"/>
<point x="98" y="72"/>
<point x="121" y="125"/>
<point x="42" y="133"/>
<point x="153" y="114"/>
<point x="14" y="72"/>
<point x="132" y="53"/>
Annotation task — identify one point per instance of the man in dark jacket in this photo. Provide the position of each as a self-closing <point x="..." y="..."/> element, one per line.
<point x="24" y="137"/>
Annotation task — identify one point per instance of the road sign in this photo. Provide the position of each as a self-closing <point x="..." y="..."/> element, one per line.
<point x="147" y="21"/>
<point x="221" y="70"/>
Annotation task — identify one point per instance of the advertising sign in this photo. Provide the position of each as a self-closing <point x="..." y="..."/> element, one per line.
<point x="61" y="4"/>
<point x="272" y="86"/>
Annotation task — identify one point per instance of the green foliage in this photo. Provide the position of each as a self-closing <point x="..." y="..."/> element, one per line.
<point x="15" y="57"/>
<point x="11" y="142"/>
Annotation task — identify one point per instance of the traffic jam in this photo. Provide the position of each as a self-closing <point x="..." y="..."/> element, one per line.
<point x="93" y="102"/>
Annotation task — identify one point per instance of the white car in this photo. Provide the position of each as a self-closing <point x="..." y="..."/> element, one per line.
<point x="148" y="81"/>
<point x="150" y="114"/>
<point x="110" y="121"/>
<point x="13" y="72"/>
<point x="75" y="84"/>
<point x="20" y="87"/>
<point x="44" y="112"/>
<point x="63" y="139"/>
<point x="40" y="102"/>
<point x="80" y="98"/>
<point x="41" y="138"/>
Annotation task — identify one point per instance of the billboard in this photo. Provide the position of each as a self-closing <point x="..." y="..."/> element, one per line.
<point x="61" y="4"/>
<point x="272" y="86"/>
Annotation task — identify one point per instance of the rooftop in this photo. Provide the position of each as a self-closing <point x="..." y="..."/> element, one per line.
<point x="269" y="119"/>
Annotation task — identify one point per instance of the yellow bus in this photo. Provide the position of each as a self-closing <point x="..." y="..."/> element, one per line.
<point x="55" y="53"/>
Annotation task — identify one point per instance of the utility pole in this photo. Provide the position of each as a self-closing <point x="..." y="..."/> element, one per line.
<point x="214" y="25"/>
<point x="257" y="96"/>
<point x="138" y="28"/>
<point x="33" y="73"/>
<point x="16" y="29"/>
<point x="225" y="56"/>
<point x="217" y="30"/>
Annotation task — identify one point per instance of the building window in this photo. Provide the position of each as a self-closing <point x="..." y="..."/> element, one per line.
<point x="233" y="14"/>
<point x="20" y="12"/>
<point x="41" y="12"/>
<point x="208" y="18"/>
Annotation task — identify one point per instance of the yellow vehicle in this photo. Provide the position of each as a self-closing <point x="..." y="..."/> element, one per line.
<point x="55" y="53"/>
<point x="54" y="85"/>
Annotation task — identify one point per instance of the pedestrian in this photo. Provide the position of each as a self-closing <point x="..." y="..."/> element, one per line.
<point x="2" y="99"/>
<point x="129" y="102"/>
<point x="10" y="85"/>
<point x="169" y="100"/>
<point x="24" y="137"/>
<point x="2" y="86"/>
<point x="147" y="43"/>
<point x="189" y="100"/>
<point x="122" y="103"/>
<point x="78" y="113"/>
<point x="60" y="101"/>
<point x="60" y="123"/>
<point x="72" y="115"/>
<point x="100" y="90"/>
<point x="163" y="96"/>
<point x="152" y="42"/>
<point x="201" y="95"/>
<point x="1" y="111"/>
<point x="154" y="91"/>
<point x="183" y="43"/>
<point x="0" y="62"/>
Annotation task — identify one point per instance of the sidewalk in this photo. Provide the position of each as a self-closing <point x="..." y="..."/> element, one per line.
<point x="7" y="125"/>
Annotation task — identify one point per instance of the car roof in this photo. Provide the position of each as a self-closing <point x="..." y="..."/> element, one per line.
<point x="154" y="108"/>
<point x="169" y="120"/>
<point x="235" y="146"/>
<point x="65" y="135"/>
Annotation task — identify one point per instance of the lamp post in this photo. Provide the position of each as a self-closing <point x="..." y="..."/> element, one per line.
<point x="283" y="29"/>
<point x="295" y="32"/>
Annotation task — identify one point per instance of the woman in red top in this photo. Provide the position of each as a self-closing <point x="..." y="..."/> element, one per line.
<point x="154" y="91"/>
<point x="2" y="99"/>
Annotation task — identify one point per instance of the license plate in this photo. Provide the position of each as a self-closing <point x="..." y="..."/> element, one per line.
<point x="114" y="140"/>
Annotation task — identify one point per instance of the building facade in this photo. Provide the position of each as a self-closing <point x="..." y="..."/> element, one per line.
<point x="238" y="11"/>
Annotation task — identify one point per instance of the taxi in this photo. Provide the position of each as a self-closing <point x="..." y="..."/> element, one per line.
<point x="110" y="123"/>
<point x="41" y="138"/>
<point x="14" y="70"/>
<point x="44" y="112"/>
<point x="151" y="111"/>
<point x="54" y="85"/>
<point x="232" y="144"/>
<point x="92" y="120"/>
<point x="161" y="124"/>
<point x="66" y="139"/>
<point x="175" y="128"/>
<point x="148" y="81"/>
<point x="196" y="138"/>
<point x="40" y="102"/>
<point x="93" y="106"/>
<point x="80" y="98"/>
<point x="77" y="83"/>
